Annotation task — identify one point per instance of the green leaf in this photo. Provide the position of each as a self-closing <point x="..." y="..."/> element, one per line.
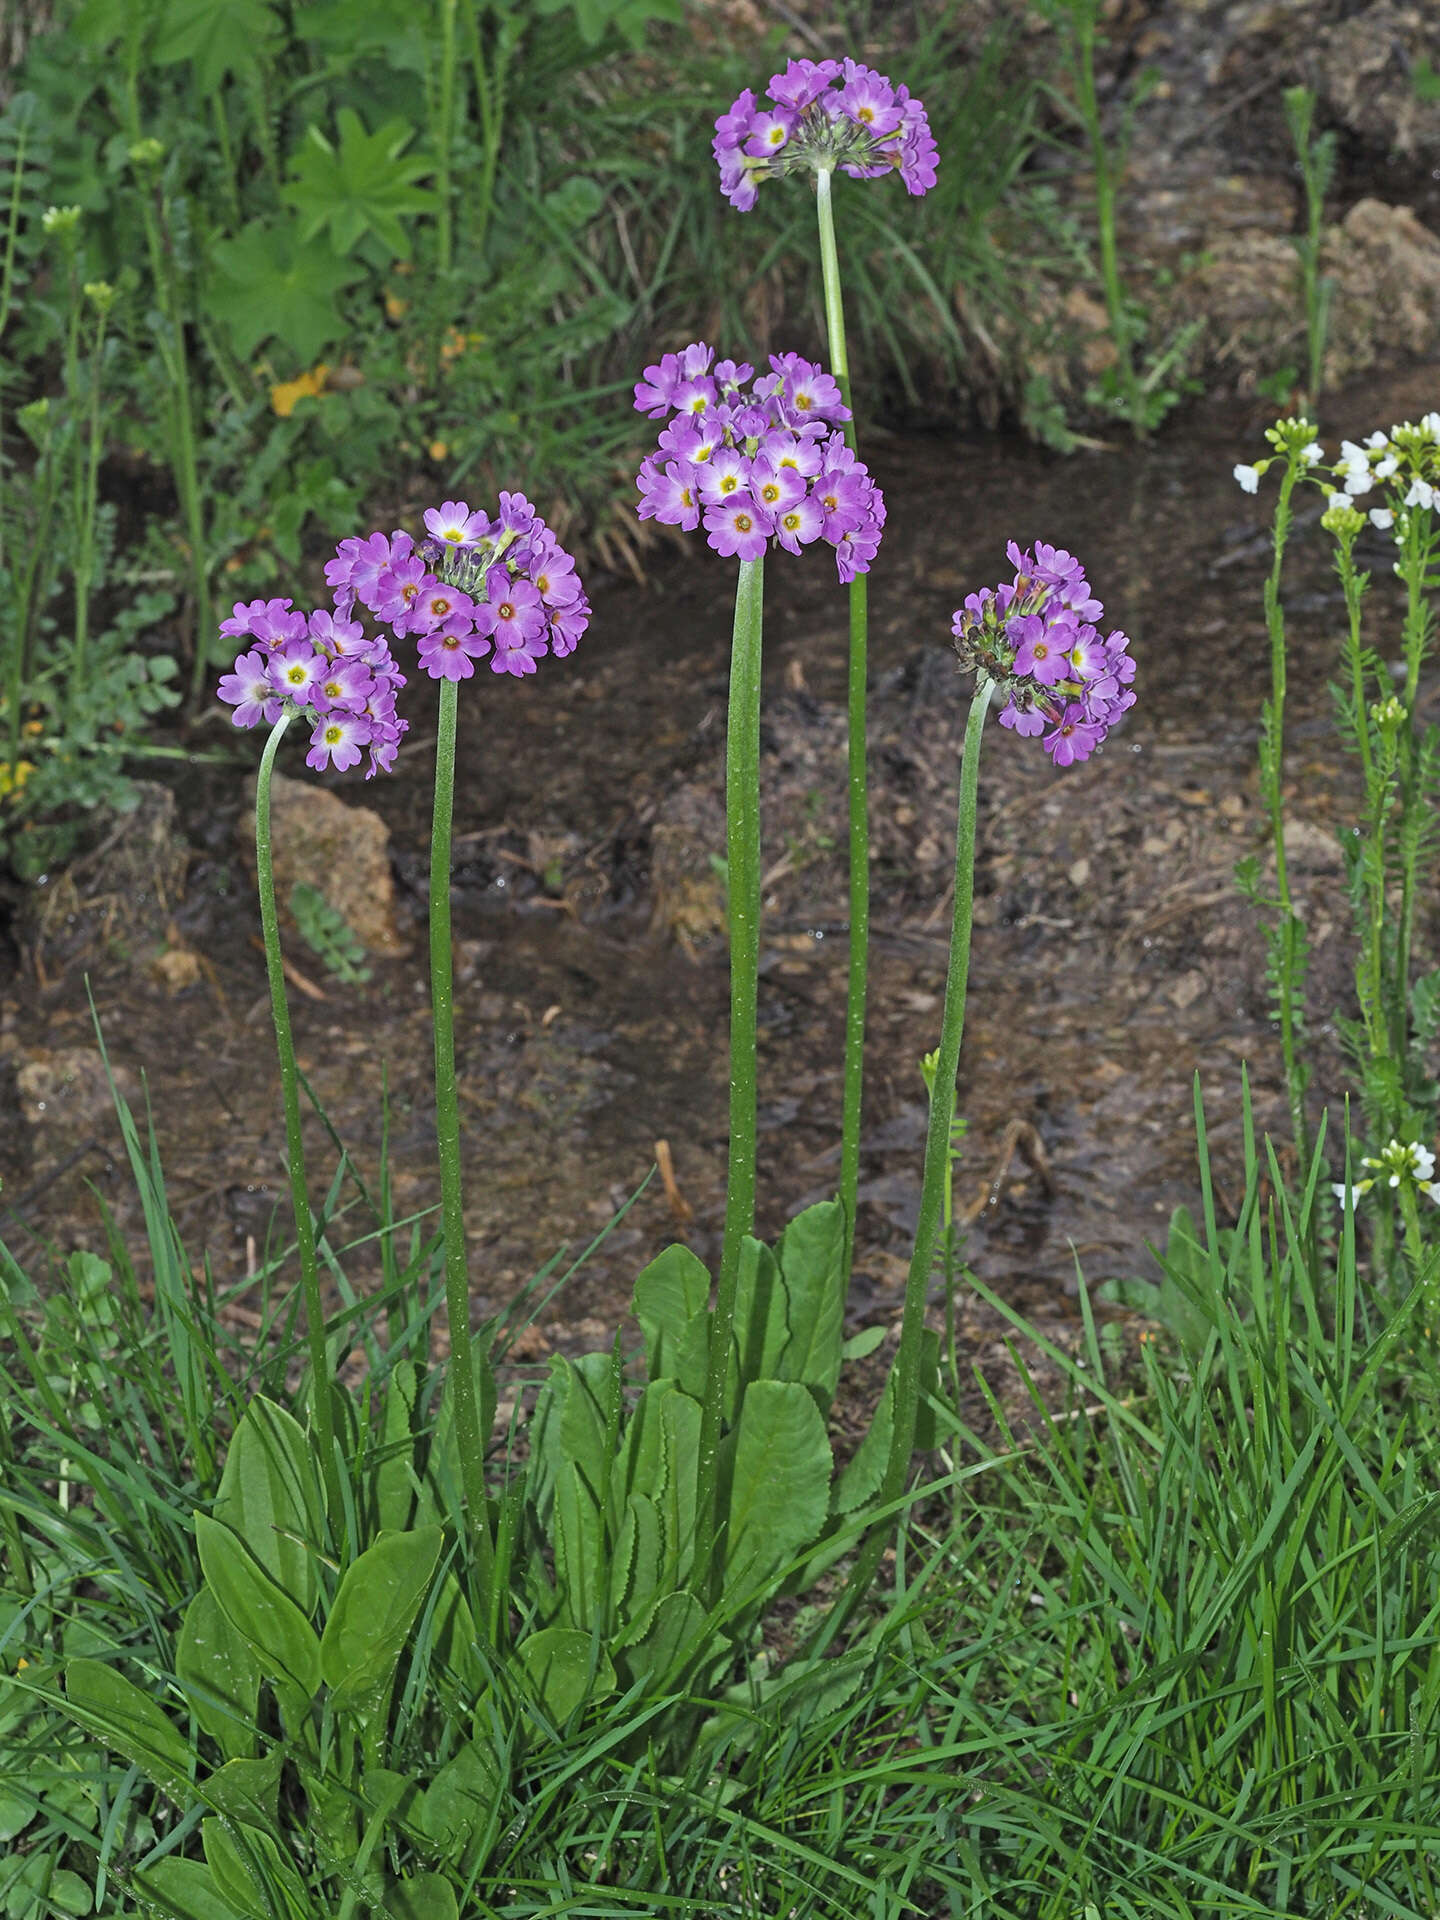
<point x="810" y="1254"/>
<point x="862" y="1344"/>
<point x="276" y="1631"/>
<point x="68" y="1893"/>
<point x="250" y="1871"/>
<point x="362" y="185"/>
<point x="639" y="1557"/>
<point x="576" y="203"/>
<point x="270" y="1491"/>
<point x="372" y="1615"/>
<point x="761" y="1328"/>
<point x="395" y="1484"/>
<point x="423" y="1896"/>
<point x="452" y="1637"/>
<point x="672" y="1639"/>
<point x="267" y="284"/>
<point x="556" y="1663"/>
<point x="218" y="1675"/>
<point x="576" y="1536"/>
<point x="183" y="1890"/>
<point x="247" y="1790"/>
<point x="568" y="1425"/>
<point x="460" y="1799"/>
<point x="128" y="1721"/>
<point x="220" y="36"/>
<point x="670" y="1300"/>
<point x="657" y="1459"/>
<point x="779" y="1465"/>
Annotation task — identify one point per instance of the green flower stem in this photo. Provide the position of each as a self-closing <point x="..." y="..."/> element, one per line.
<point x="1082" y="19"/>
<point x="87" y="508"/>
<point x="1415" y="1254"/>
<point x="937" y="1162"/>
<point x="742" y="847"/>
<point x="447" y="1130"/>
<point x="1272" y="779"/>
<point x="856" y="771"/>
<point x="321" y="1412"/>
<point x="1414" y="564"/>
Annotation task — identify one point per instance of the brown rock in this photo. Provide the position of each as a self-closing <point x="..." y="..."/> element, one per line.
<point x="116" y="900"/>
<point x="342" y="851"/>
<point x="65" y="1100"/>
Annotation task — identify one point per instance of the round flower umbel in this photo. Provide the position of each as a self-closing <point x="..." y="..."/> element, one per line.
<point x="825" y="114"/>
<point x="1402" y="1163"/>
<point x="324" y="668"/>
<point x="757" y="458"/>
<point x="475" y="586"/>
<point x="1037" y="639"/>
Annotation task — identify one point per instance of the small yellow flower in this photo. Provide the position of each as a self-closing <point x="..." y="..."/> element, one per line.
<point x="284" y="395"/>
<point x="15" y="783"/>
<point x="438" y="450"/>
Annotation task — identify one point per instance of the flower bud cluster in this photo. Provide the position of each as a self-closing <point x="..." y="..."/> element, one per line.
<point x="758" y="465"/>
<point x="474" y="586"/>
<point x="1037" y="639"/>
<point x="822" y="115"/>
<point x="1405" y="461"/>
<point x="324" y="667"/>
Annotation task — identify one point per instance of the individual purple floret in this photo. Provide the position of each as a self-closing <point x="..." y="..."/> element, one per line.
<point x="1036" y="639"/>
<point x="767" y="464"/>
<point x="826" y="114"/>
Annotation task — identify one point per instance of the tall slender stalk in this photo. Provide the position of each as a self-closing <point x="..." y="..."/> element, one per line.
<point x="320" y="1407"/>
<point x="1289" y="933"/>
<point x="742" y="845"/>
<point x="447" y="1132"/>
<point x="857" y="786"/>
<point x="937" y="1163"/>
<point x="87" y="490"/>
<point x="13" y="685"/>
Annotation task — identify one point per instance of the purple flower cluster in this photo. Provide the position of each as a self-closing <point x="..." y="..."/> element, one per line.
<point x="824" y="114"/>
<point x="1037" y="639"/>
<point x="474" y="586"/>
<point x="323" y="666"/>
<point x="767" y="464"/>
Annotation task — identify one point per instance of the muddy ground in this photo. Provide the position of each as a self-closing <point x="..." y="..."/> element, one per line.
<point x="1113" y="958"/>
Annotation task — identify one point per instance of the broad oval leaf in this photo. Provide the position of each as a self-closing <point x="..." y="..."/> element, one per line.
<point x="777" y="1467"/>
<point x="276" y="1631"/>
<point x="811" y="1254"/>
<point x="270" y="1492"/>
<point x="129" y="1722"/>
<point x="373" y="1612"/>
<point x="556" y="1662"/>
<point x="183" y="1890"/>
<point x="421" y="1896"/>
<point x="669" y="1296"/>
<point x="219" y="1676"/>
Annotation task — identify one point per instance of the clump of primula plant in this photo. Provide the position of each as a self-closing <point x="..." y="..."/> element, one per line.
<point x="474" y="587"/>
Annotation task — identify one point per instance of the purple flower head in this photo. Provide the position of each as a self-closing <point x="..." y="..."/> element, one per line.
<point x="295" y="671"/>
<point x="333" y="634"/>
<point x="826" y="114"/>
<point x="342" y="686"/>
<point x="272" y="622"/>
<point x="454" y="524"/>
<point x="450" y="655"/>
<point x="768" y="464"/>
<point x="398" y="593"/>
<point x="1035" y="638"/>
<point x="803" y="82"/>
<point x="251" y="691"/>
<point x="739" y="527"/>
<point x="338" y="741"/>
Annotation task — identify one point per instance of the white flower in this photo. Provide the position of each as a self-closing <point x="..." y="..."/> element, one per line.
<point x="1358" y="480"/>
<point x="1378" y="439"/>
<point x="1249" y="478"/>
<point x="1353" y="456"/>
<point x="1431" y="425"/>
<point x="1386" y="467"/>
<point x="1421" y="494"/>
<point x="1313" y="453"/>
<point x="1381" y="517"/>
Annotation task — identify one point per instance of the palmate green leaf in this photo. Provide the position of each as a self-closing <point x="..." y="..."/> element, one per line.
<point x="776" y="1469"/>
<point x="360" y="185"/>
<point x="374" y="1610"/>
<point x="128" y="1721"/>
<point x="268" y="284"/>
<point x="220" y="36"/>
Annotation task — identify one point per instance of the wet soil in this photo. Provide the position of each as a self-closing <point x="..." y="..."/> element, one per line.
<point x="1113" y="959"/>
